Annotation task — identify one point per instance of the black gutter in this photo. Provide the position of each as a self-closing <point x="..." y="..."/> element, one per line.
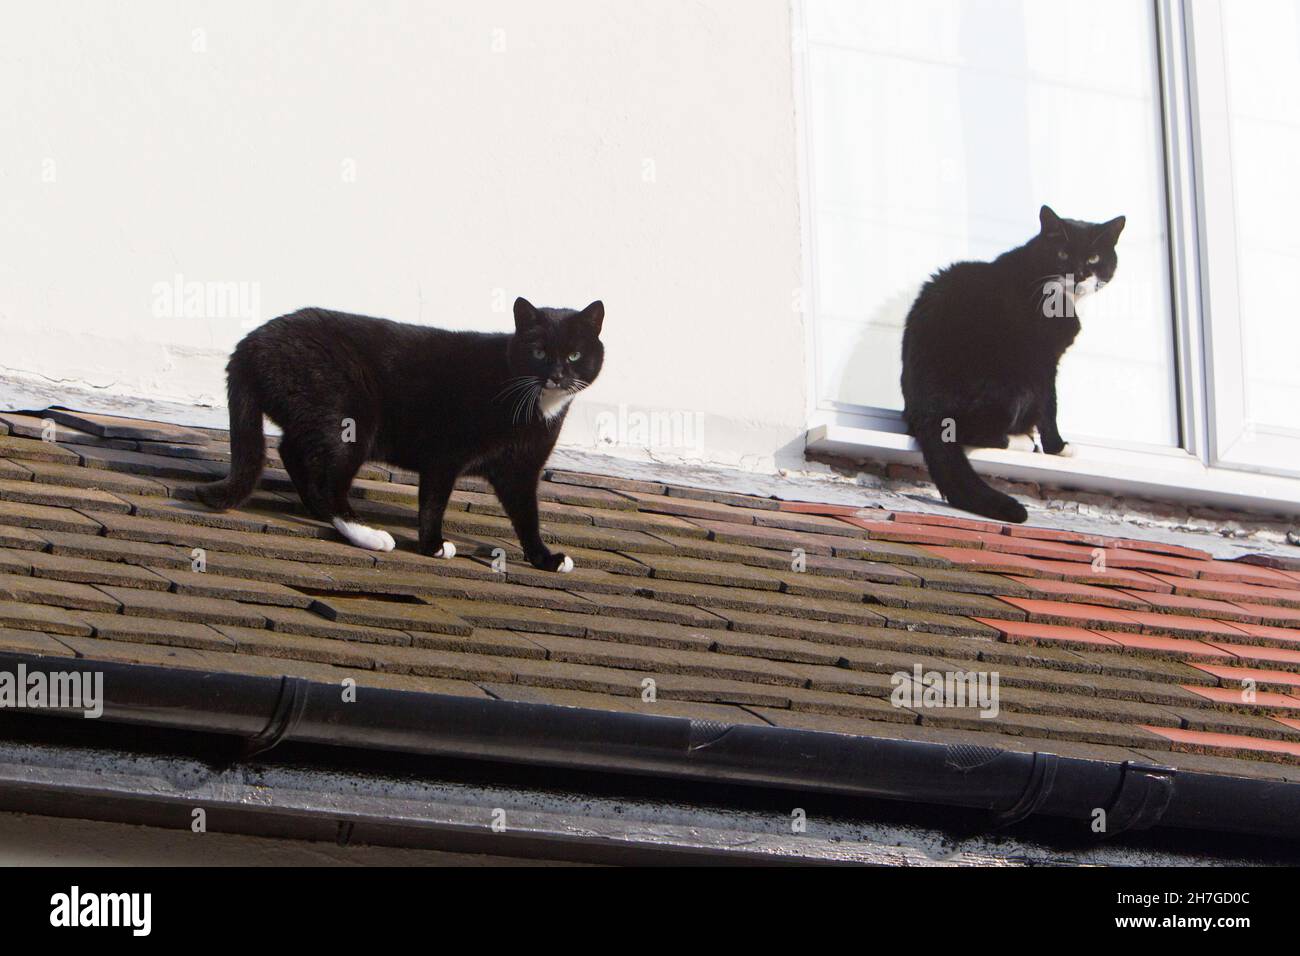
<point x="262" y="712"/>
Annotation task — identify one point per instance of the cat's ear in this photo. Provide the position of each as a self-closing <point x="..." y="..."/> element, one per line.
<point x="1048" y="221"/>
<point x="1112" y="229"/>
<point x="594" y="316"/>
<point x="525" y="314"/>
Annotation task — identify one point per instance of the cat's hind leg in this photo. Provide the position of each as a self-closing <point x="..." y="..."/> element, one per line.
<point x="300" y="466"/>
<point x="295" y="464"/>
<point x="356" y="533"/>
<point x="337" y="464"/>
<point x="998" y="421"/>
<point x="347" y="523"/>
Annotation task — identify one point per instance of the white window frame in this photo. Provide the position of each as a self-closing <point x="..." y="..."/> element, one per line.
<point x="1198" y="186"/>
<point x="1231" y="438"/>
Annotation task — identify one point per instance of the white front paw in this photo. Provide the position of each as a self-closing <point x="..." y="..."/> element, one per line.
<point x="566" y="565"/>
<point x="1067" y="451"/>
<point x="448" y="550"/>
<point x="1020" y="443"/>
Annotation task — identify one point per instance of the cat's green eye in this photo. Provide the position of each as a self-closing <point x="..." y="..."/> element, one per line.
<point x="539" y="354"/>
<point x="574" y="356"/>
<point x="1062" y="255"/>
<point x="1094" y="259"/>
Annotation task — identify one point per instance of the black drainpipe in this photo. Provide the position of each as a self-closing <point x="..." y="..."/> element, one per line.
<point x="265" y="711"/>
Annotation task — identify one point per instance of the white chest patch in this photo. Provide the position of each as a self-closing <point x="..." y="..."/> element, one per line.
<point x="1087" y="287"/>
<point x="552" y="401"/>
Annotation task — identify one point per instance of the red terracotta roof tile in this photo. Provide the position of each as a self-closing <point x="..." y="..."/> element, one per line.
<point x="977" y="559"/>
<point x="1174" y="646"/>
<point x="1256" y="652"/>
<point x="1280" y="561"/>
<point x="1161" y="547"/>
<point x="1238" y="696"/>
<point x="1147" y="561"/>
<point x="813" y="524"/>
<point x="1242" y="573"/>
<point x="1182" y="625"/>
<point x="817" y="508"/>
<point x="1050" y="550"/>
<point x="1196" y="607"/>
<point x="947" y="521"/>
<point x="916" y="534"/>
<point x="1084" y="615"/>
<point x="1232" y="590"/>
<point x="1035" y="631"/>
<point x="1054" y="534"/>
<point x="1203" y="740"/>
<point x="1108" y="576"/>
<point x="1234" y="676"/>
<point x="1269" y="632"/>
<point x="1276" y="616"/>
<point x="1052" y="589"/>
<point x="671" y="507"/>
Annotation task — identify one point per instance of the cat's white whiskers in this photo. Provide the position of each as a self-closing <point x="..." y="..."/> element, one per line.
<point x="523" y="409"/>
<point x="514" y="385"/>
<point x="516" y="400"/>
<point x="506" y="392"/>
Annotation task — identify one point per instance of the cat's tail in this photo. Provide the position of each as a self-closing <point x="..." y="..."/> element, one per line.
<point x="952" y="473"/>
<point x="247" y="443"/>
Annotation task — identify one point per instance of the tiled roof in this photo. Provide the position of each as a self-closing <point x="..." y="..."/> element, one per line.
<point x="739" y="609"/>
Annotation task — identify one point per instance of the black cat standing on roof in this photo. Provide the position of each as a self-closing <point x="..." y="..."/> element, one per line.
<point x="981" y="349"/>
<point x="435" y="402"/>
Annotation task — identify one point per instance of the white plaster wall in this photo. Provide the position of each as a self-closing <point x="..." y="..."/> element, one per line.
<point x="422" y="161"/>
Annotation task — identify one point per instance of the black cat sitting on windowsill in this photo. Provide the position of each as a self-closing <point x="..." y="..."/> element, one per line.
<point x="981" y="348"/>
<point x="435" y="402"/>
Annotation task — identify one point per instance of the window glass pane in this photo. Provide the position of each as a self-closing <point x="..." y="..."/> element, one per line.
<point x="1262" y="63"/>
<point x="937" y="128"/>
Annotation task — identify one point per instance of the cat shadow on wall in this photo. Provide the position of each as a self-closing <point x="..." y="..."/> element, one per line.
<point x="866" y="358"/>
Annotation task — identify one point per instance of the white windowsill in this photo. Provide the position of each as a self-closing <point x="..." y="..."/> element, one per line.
<point x="1171" y="477"/>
